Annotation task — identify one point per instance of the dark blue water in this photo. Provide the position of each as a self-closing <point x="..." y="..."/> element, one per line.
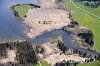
<point x="10" y="28"/>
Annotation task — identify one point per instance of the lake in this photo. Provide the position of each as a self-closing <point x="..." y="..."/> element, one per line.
<point x="10" y="28"/>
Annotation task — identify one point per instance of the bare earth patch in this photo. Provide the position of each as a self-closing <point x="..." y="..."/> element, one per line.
<point x="11" y="57"/>
<point x="53" y="59"/>
<point x="44" y="19"/>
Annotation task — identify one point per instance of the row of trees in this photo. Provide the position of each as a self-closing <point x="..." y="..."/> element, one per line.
<point x="89" y="3"/>
<point x="85" y="0"/>
<point x="62" y="47"/>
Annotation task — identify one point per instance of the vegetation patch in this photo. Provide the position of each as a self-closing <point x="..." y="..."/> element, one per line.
<point x="25" y="55"/>
<point x="22" y="9"/>
<point x="89" y="3"/>
<point x="94" y="11"/>
<point x="43" y="63"/>
<point x="88" y="21"/>
<point x="55" y="38"/>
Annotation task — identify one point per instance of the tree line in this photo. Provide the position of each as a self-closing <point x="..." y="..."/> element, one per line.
<point x="89" y="3"/>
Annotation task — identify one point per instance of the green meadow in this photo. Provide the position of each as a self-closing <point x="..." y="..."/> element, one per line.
<point x="95" y="11"/>
<point x="86" y="20"/>
<point x="22" y="9"/>
<point x="43" y="63"/>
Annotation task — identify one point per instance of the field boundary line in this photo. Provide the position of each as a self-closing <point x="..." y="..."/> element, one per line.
<point x="84" y="10"/>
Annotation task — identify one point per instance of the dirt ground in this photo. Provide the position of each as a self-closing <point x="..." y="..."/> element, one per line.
<point x="52" y="59"/>
<point x="44" y="19"/>
<point x="11" y="57"/>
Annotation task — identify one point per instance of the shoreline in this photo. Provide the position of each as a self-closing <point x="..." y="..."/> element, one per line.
<point x="16" y="40"/>
<point x="20" y="19"/>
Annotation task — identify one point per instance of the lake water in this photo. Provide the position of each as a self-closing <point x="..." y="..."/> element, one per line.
<point x="10" y="28"/>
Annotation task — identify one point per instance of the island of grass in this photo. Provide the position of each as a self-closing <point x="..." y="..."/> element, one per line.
<point x="88" y="21"/>
<point x="22" y="9"/>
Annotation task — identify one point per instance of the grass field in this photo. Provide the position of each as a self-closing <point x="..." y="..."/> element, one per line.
<point x="43" y="63"/>
<point x="88" y="21"/>
<point x="22" y="9"/>
<point x="94" y="11"/>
